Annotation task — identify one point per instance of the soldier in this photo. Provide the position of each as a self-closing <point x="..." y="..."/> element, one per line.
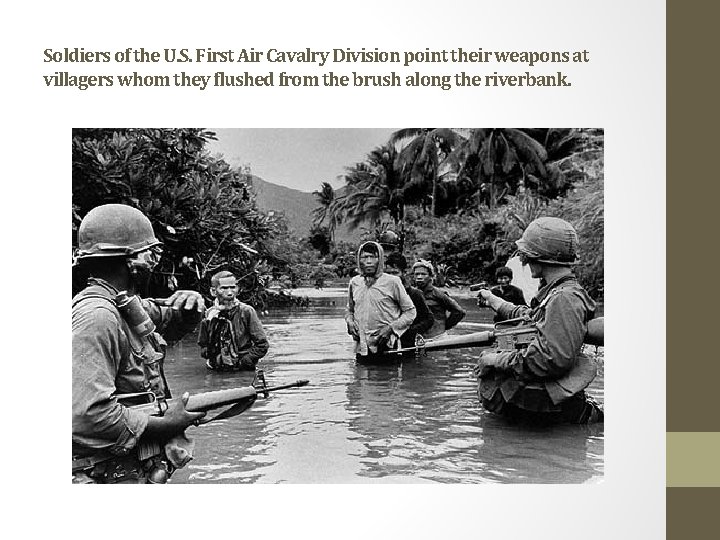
<point x="545" y="382"/>
<point x="391" y="242"/>
<point x="116" y="350"/>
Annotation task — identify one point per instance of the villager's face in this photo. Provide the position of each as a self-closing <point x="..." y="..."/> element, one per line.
<point x="421" y="276"/>
<point x="226" y="290"/>
<point x="369" y="263"/>
<point x="503" y="280"/>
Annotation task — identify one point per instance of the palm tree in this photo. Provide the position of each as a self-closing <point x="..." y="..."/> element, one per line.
<point x="366" y="197"/>
<point x="493" y="153"/>
<point x="419" y="159"/>
<point x="373" y="190"/>
<point x="389" y="182"/>
<point x="326" y="199"/>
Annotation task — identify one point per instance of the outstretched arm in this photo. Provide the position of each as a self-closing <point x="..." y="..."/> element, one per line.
<point x="178" y="315"/>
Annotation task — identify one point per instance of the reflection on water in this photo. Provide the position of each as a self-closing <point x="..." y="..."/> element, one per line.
<point x="418" y="421"/>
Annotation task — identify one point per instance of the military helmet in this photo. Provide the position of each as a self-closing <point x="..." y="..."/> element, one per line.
<point x="550" y="240"/>
<point x="389" y="238"/>
<point x="113" y="230"/>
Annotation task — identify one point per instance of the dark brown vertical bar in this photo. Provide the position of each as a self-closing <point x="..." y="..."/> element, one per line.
<point x="693" y="242"/>
<point x="693" y="217"/>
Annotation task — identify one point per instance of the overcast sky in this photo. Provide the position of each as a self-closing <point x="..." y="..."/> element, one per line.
<point x="297" y="158"/>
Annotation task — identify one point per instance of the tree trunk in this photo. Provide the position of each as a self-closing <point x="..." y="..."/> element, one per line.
<point x="434" y="196"/>
<point x="491" y="204"/>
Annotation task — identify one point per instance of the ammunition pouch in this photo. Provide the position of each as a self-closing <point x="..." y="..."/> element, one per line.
<point x="142" y="465"/>
<point x="151" y="353"/>
<point x="496" y="387"/>
<point x="575" y="381"/>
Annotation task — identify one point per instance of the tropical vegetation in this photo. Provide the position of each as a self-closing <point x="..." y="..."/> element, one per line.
<point x="461" y="197"/>
<point x="202" y="210"/>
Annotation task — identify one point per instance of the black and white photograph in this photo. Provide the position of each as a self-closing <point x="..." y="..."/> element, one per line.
<point x="338" y="306"/>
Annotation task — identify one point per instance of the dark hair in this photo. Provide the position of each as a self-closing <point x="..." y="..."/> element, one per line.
<point x="370" y="248"/>
<point x="503" y="271"/>
<point x="396" y="260"/>
<point x="215" y="280"/>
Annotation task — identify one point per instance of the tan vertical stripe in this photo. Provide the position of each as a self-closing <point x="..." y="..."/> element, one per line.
<point x="693" y="459"/>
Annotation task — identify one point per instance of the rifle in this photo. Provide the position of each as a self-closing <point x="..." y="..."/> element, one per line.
<point x="237" y="400"/>
<point x="514" y="337"/>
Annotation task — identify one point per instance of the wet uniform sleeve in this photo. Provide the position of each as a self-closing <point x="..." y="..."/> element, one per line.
<point x="510" y="311"/>
<point x="259" y="342"/>
<point x="99" y="421"/>
<point x="424" y="318"/>
<point x="552" y="353"/>
<point x="407" y="310"/>
<point x="456" y="313"/>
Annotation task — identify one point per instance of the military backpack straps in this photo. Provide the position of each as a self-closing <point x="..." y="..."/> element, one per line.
<point x="148" y="348"/>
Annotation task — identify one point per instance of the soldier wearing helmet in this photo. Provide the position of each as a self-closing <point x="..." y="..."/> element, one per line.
<point x="390" y="242"/>
<point x="117" y="350"/>
<point x="546" y="381"/>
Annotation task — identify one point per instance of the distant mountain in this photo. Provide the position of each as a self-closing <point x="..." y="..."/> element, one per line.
<point x="297" y="206"/>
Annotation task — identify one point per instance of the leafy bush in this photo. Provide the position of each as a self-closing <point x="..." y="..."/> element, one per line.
<point x="199" y="207"/>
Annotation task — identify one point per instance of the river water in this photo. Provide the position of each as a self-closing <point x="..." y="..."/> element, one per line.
<point x="419" y="421"/>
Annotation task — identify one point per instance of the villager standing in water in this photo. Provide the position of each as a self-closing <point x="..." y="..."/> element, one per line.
<point x="445" y="309"/>
<point x="506" y="290"/>
<point x="231" y="334"/>
<point x="395" y="266"/>
<point x="379" y="311"/>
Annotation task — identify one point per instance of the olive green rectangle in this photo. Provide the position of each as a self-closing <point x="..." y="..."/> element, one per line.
<point x="692" y="513"/>
<point x="692" y="215"/>
<point x="693" y="459"/>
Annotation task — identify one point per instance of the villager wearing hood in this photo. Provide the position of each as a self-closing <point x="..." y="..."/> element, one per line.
<point x="379" y="309"/>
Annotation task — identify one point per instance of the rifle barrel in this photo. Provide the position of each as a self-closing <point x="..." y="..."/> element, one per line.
<point x="296" y="384"/>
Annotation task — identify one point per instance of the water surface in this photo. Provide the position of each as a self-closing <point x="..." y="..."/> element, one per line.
<point x="419" y="421"/>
